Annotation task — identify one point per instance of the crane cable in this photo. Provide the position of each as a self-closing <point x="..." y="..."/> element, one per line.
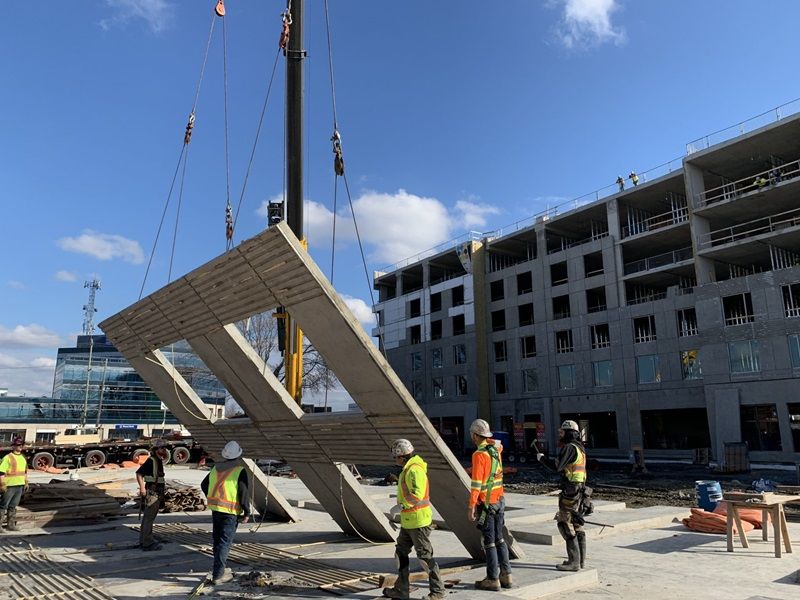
<point x="339" y="171"/>
<point x="187" y="137"/>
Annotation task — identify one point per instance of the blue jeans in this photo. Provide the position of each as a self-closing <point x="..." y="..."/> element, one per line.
<point x="224" y="529"/>
<point x="493" y="542"/>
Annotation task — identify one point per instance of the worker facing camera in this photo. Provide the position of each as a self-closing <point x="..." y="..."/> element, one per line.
<point x="152" y="487"/>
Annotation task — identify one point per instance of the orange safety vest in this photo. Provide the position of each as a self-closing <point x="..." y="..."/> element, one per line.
<point x="223" y="491"/>
<point x="481" y="474"/>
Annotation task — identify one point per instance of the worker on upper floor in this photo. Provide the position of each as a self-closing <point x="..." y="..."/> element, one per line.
<point x="152" y="486"/>
<point x="227" y="488"/>
<point x="634" y="178"/>
<point x="571" y="464"/>
<point x="416" y="516"/>
<point x="13" y="482"/>
<point x="487" y="506"/>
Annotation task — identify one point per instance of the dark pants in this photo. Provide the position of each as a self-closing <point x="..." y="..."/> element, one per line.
<point x="420" y="540"/>
<point x="11" y="497"/>
<point x="151" y="504"/>
<point x="224" y="529"/>
<point x="493" y="542"/>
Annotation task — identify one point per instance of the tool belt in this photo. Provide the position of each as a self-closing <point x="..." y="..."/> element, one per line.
<point x="583" y="507"/>
<point x="485" y="510"/>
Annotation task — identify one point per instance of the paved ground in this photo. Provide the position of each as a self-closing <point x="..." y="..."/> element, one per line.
<point x="666" y="562"/>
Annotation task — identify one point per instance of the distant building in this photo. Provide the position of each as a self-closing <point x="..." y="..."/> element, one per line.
<point x="664" y="316"/>
<point x="118" y="400"/>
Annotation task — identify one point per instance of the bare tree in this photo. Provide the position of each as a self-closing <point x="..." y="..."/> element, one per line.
<point x="261" y="330"/>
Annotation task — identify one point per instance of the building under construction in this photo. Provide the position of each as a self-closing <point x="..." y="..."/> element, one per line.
<point x="660" y="314"/>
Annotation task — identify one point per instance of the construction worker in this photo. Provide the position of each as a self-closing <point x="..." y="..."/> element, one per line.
<point x="634" y="178"/>
<point x="416" y="516"/>
<point x="620" y="183"/>
<point x="227" y="490"/>
<point x="571" y="463"/>
<point x="150" y="476"/>
<point x="487" y="506"/>
<point x="13" y="482"/>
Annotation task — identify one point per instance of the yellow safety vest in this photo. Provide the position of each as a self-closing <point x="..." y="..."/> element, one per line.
<point x="576" y="472"/>
<point x="413" y="494"/>
<point x="155" y="477"/>
<point x="223" y="491"/>
<point x="16" y="469"/>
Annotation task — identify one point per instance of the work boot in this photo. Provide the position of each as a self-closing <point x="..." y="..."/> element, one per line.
<point x="582" y="546"/>
<point x="227" y="575"/>
<point x="573" y="553"/>
<point x="436" y="596"/>
<point x="393" y="592"/>
<point x="505" y="580"/>
<point x="152" y="547"/>
<point x="490" y="585"/>
<point x="12" y="520"/>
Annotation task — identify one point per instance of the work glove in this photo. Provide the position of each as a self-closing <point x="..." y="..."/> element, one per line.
<point x="395" y="510"/>
<point x="539" y="456"/>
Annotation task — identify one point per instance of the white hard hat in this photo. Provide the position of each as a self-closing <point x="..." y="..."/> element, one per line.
<point x="570" y="425"/>
<point x="231" y="450"/>
<point x="402" y="447"/>
<point x="481" y="428"/>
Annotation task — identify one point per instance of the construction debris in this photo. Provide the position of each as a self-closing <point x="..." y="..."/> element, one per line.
<point x="43" y="504"/>
<point x="183" y="498"/>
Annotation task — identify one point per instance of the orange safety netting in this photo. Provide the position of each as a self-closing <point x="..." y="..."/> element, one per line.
<point x="712" y="522"/>
<point x="751" y="515"/>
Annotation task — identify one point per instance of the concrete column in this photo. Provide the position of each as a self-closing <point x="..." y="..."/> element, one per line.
<point x="615" y="232"/>
<point x="480" y="305"/>
<point x="695" y="186"/>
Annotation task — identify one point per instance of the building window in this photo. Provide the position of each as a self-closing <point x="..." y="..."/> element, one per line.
<point x="602" y="373"/>
<point x="416" y="389"/>
<point x="558" y="274"/>
<point x="528" y="346"/>
<point x="593" y="264"/>
<point x="501" y="383"/>
<point x="436" y="302"/>
<point x="738" y="309"/>
<point x="794" y="352"/>
<point x="644" y="329"/>
<point x="791" y="302"/>
<point x="530" y="381"/>
<point x="760" y="427"/>
<point x="687" y="322"/>
<point x="415" y="334"/>
<point x="564" y="341"/>
<point x="596" y="300"/>
<point x="498" y="320"/>
<point x="675" y="429"/>
<point x="416" y="361"/>
<point x="525" y="314"/>
<point x="7" y="435"/>
<point x="414" y="309"/>
<point x="598" y="430"/>
<point x="459" y="354"/>
<point x="496" y="291"/>
<point x="438" y="387"/>
<point x="524" y="283"/>
<point x="457" y="295"/>
<point x="436" y="329"/>
<point x="690" y="365"/>
<point x="461" y="385"/>
<point x="794" y="424"/>
<point x="648" y="369"/>
<point x="49" y="437"/>
<point x="744" y="357"/>
<point x="436" y="358"/>
<point x="561" y="307"/>
<point x="500" y="351"/>
<point x="459" y="326"/>
<point x="601" y="336"/>
<point x="566" y="377"/>
<point x="380" y="318"/>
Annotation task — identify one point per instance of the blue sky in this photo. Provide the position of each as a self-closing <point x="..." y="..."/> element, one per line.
<point x="454" y="116"/>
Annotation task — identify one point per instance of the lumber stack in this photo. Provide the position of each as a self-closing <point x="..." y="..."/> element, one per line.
<point x="183" y="498"/>
<point x="60" y="501"/>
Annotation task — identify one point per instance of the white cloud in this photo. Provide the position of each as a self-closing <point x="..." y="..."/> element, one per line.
<point x="26" y="376"/>
<point x="587" y="23"/>
<point x="65" y="276"/>
<point x="393" y="226"/>
<point x="16" y="285"/>
<point x="158" y="14"/>
<point x="28" y="336"/>
<point x="104" y="246"/>
<point x="362" y="312"/>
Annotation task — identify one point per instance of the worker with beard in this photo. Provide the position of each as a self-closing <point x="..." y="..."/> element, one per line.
<point x="571" y="463"/>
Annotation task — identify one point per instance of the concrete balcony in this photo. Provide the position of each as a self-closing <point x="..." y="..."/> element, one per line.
<point x="658" y="261"/>
<point x="750" y="185"/>
<point x="785" y="224"/>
